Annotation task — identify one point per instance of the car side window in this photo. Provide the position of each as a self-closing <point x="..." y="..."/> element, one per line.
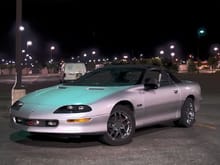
<point x="152" y="75"/>
<point x="165" y="79"/>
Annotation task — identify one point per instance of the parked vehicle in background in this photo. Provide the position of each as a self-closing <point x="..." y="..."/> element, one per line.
<point x="72" y="71"/>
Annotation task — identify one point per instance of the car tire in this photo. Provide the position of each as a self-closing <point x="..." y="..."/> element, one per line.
<point x="188" y="113"/>
<point x="120" y="126"/>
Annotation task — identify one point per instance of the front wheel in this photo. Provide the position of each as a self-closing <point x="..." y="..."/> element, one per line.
<point x="120" y="126"/>
<point x="188" y="114"/>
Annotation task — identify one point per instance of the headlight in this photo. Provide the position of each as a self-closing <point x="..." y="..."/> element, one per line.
<point x="17" y="105"/>
<point x="73" y="109"/>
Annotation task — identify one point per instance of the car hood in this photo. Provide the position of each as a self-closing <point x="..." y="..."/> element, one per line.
<point x="66" y="95"/>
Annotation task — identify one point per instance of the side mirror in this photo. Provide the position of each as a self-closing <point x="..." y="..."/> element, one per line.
<point x="150" y="83"/>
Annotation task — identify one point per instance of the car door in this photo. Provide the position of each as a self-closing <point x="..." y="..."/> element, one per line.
<point x="162" y="103"/>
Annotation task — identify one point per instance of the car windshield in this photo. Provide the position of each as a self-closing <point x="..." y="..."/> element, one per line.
<point x="110" y="77"/>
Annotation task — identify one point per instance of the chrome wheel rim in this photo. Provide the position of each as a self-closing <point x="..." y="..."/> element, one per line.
<point x="119" y="125"/>
<point x="190" y="114"/>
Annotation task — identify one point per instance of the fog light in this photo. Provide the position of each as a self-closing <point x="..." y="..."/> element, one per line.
<point x="18" y="120"/>
<point x="81" y="120"/>
<point x="52" y="123"/>
<point x="32" y="122"/>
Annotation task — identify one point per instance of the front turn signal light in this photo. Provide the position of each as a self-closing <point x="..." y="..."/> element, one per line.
<point x="80" y="120"/>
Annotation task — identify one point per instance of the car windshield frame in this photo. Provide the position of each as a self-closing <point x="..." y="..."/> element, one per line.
<point x="110" y="76"/>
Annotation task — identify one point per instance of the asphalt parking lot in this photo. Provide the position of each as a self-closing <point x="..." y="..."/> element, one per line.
<point x="161" y="144"/>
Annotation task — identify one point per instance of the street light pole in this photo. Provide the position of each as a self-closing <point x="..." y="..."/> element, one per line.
<point x="18" y="42"/>
<point x="200" y="33"/>
<point x="52" y="48"/>
<point x="29" y="43"/>
<point x="17" y="92"/>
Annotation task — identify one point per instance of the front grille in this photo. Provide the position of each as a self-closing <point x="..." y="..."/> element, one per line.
<point x="36" y="122"/>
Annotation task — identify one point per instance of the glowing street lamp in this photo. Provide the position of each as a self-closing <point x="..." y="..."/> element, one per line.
<point x="172" y="54"/>
<point x="29" y="43"/>
<point x="172" y="46"/>
<point x="93" y="52"/>
<point x="21" y="28"/>
<point x="161" y="52"/>
<point x="201" y="32"/>
<point x="216" y="49"/>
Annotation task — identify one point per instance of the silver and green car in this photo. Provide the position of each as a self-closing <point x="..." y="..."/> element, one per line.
<point x="112" y="102"/>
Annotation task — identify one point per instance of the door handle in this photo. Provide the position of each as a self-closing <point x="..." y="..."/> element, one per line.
<point x="175" y="91"/>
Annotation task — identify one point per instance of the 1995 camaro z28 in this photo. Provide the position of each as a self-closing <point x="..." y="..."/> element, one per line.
<point x="112" y="101"/>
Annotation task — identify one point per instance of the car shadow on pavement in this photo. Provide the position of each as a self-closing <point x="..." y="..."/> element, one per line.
<point x="64" y="141"/>
<point x="153" y="128"/>
<point x="56" y="141"/>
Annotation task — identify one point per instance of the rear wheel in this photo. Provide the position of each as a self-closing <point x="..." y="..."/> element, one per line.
<point x="120" y="126"/>
<point x="188" y="114"/>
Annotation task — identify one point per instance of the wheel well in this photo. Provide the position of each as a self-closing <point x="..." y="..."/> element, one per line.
<point x="191" y="96"/>
<point x="126" y="103"/>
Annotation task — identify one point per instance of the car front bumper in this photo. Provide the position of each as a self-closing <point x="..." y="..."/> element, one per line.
<point x="61" y="125"/>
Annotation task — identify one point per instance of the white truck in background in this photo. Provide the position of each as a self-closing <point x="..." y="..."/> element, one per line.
<point x="72" y="71"/>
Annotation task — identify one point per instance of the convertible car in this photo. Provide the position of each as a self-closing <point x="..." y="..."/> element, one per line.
<point x="112" y="102"/>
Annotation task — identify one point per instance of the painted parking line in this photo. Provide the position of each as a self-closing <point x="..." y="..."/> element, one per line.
<point x="206" y="125"/>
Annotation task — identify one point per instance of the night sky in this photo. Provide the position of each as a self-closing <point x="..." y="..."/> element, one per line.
<point x="112" y="27"/>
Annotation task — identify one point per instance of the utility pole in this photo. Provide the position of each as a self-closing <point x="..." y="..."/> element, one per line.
<point x="17" y="91"/>
<point x="18" y="42"/>
<point x="200" y="33"/>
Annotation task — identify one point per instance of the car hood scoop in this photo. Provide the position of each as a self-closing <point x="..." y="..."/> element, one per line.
<point x="62" y="87"/>
<point x="93" y="88"/>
